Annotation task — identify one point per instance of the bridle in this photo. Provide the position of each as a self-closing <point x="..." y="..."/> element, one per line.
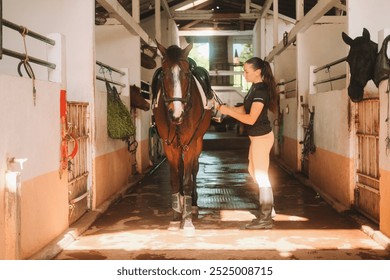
<point x="185" y="100"/>
<point x="188" y="104"/>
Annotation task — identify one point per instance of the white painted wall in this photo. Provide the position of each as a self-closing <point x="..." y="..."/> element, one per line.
<point x="29" y="130"/>
<point x="290" y="114"/>
<point x="286" y="68"/>
<point x="75" y="21"/>
<point x="331" y="115"/>
<point x="115" y="46"/>
<point x="34" y="132"/>
<point x="319" y="45"/>
<point x="263" y="34"/>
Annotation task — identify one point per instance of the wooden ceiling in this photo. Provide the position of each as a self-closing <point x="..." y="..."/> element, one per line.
<point x="212" y="14"/>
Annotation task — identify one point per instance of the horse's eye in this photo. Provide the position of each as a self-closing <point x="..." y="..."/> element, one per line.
<point x="167" y="74"/>
<point x="184" y="75"/>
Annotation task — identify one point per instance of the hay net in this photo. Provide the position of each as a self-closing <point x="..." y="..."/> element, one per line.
<point x="119" y="122"/>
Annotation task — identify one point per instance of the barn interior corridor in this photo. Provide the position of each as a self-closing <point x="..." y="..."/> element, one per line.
<point x="305" y="226"/>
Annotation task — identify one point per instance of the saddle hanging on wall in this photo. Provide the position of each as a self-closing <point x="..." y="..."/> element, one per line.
<point x="382" y="67"/>
<point x="148" y="56"/>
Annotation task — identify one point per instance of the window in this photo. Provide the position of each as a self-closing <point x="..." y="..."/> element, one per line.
<point x="200" y="53"/>
<point x="241" y="53"/>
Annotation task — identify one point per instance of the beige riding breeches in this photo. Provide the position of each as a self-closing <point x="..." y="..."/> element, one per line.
<point x="259" y="154"/>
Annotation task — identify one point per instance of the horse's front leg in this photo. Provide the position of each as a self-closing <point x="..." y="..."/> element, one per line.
<point x="175" y="164"/>
<point x="190" y="165"/>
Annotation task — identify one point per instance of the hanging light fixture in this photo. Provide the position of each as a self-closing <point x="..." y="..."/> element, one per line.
<point x="150" y="6"/>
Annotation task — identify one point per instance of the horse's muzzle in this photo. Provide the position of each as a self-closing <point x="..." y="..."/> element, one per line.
<point x="174" y="119"/>
<point x="177" y="121"/>
<point x="356" y="92"/>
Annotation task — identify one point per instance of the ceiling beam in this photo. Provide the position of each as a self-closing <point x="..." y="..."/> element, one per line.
<point x="166" y="8"/>
<point x="321" y="8"/>
<point x="209" y="15"/>
<point x="341" y="7"/>
<point x="119" y="13"/>
<point x="215" y="33"/>
<point x="255" y="6"/>
<point x="190" y="3"/>
<point x="189" y="25"/>
<point x="266" y="8"/>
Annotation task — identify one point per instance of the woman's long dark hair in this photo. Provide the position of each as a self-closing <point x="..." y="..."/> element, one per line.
<point x="268" y="79"/>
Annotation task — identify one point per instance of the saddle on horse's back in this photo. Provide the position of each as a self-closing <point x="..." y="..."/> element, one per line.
<point x="382" y="67"/>
<point x="200" y="73"/>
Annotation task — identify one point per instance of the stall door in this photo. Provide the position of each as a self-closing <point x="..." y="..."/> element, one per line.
<point x="367" y="159"/>
<point x="78" y="192"/>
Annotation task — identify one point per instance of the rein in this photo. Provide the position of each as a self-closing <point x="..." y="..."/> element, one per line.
<point x="186" y="101"/>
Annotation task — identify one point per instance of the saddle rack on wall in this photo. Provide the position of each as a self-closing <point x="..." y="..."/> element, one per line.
<point x="148" y="56"/>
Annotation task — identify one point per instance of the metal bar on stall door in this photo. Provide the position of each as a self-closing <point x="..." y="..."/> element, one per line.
<point x="32" y="59"/>
<point x="330" y="64"/>
<point x="330" y="79"/>
<point x="30" y="33"/>
<point x="110" y="68"/>
<point x="111" y="82"/>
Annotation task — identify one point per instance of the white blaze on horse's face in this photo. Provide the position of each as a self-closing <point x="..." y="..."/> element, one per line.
<point x="178" y="108"/>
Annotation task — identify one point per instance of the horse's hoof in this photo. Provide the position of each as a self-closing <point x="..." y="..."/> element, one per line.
<point x="188" y="229"/>
<point x="174" y="226"/>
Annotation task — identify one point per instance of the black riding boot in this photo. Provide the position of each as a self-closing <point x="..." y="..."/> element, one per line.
<point x="264" y="219"/>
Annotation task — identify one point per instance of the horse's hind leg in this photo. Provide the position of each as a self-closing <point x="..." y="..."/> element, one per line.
<point x="191" y="166"/>
<point x="194" y="196"/>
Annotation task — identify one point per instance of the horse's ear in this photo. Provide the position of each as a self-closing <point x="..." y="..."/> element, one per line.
<point x="161" y="48"/>
<point x="348" y="40"/>
<point x="187" y="50"/>
<point x="366" y="34"/>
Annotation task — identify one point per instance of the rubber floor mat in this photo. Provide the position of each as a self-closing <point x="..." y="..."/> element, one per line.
<point x="226" y="198"/>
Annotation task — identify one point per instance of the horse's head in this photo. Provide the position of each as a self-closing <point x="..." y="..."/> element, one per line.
<point x="176" y="80"/>
<point x="361" y="59"/>
<point x="136" y="99"/>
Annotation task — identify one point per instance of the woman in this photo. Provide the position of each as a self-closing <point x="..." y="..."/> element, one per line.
<point x="261" y="97"/>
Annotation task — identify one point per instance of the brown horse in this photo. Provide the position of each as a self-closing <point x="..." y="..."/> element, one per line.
<point x="137" y="100"/>
<point x="181" y="121"/>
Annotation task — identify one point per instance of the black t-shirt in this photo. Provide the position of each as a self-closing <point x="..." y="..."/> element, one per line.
<point x="258" y="93"/>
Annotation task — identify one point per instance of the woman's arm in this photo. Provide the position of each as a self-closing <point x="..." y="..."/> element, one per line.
<point x="238" y="109"/>
<point x="239" y="113"/>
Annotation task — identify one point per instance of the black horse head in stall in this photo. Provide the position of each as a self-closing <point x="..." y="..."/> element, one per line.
<point x="361" y="59"/>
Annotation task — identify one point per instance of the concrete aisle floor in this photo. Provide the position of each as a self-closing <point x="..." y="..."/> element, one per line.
<point x="305" y="227"/>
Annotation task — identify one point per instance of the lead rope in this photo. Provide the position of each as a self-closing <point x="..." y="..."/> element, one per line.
<point x="387" y="140"/>
<point x="220" y="102"/>
<point x="27" y="65"/>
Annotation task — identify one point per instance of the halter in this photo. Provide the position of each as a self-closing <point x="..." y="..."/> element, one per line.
<point x="186" y="101"/>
